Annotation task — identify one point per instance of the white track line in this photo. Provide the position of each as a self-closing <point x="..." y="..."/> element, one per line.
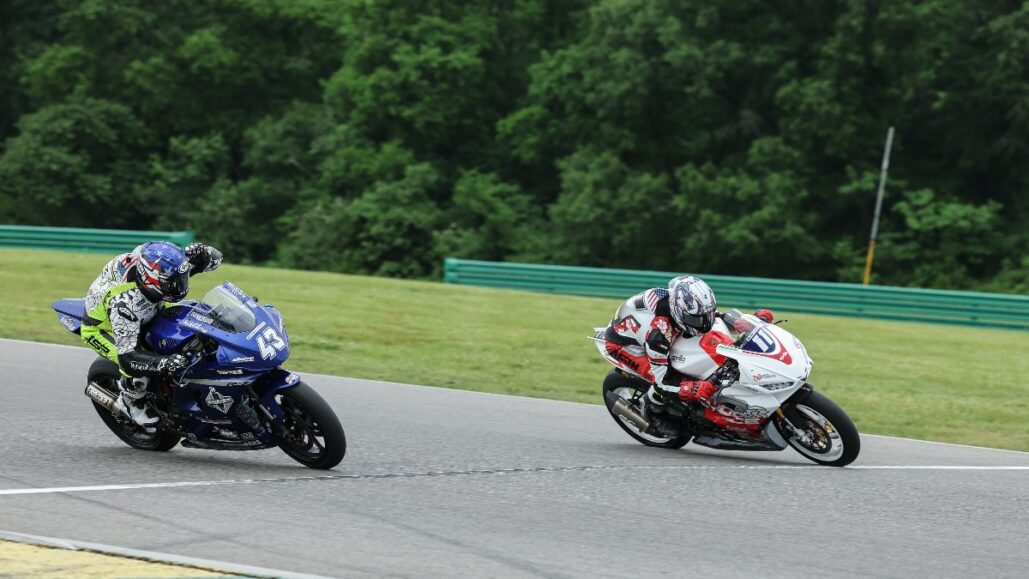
<point x="244" y="570"/>
<point x="428" y="474"/>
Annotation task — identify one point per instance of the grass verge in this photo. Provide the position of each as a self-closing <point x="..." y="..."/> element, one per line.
<point x="944" y="383"/>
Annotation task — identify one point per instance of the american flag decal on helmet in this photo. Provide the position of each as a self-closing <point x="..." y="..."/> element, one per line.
<point x="151" y="272"/>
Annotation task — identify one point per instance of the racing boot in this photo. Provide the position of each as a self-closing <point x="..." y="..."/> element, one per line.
<point x="132" y="402"/>
<point x="654" y="405"/>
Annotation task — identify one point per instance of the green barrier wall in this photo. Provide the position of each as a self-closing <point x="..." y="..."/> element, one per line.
<point x="76" y="239"/>
<point x="748" y="293"/>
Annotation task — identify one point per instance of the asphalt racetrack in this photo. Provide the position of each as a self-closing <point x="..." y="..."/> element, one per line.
<point x="450" y="483"/>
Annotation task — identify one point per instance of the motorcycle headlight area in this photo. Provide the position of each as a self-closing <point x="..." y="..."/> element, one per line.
<point x="774" y="386"/>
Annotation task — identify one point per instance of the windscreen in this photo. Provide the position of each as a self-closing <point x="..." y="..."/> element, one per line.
<point x="226" y="310"/>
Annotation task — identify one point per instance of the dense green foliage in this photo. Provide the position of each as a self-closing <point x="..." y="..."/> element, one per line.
<point x="377" y="136"/>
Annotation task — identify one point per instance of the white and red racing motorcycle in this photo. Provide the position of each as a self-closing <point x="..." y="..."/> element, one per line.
<point x="764" y="401"/>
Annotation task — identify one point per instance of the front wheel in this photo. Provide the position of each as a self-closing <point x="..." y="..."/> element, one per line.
<point x="314" y="436"/>
<point x="826" y="434"/>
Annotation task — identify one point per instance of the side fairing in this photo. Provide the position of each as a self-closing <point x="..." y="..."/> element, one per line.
<point x="689" y="356"/>
<point x="171" y="328"/>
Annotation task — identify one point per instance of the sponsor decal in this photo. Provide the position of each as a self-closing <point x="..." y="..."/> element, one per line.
<point x="203" y="319"/>
<point x="243" y="359"/>
<point x="192" y="325"/>
<point x="678" y="358"/>
<point x="626" y="361"/>
<point x="245" y="443"/>
<point x="142" y="366"/>
<point x="218" y="401"/>
<point x="777" y="386"/>
<point x="230" y="372"/>
<point x="68" y="321"/>
<point x="254" y="332"/>
<point x="291" y="378"/>
<point x="98" y="345"/>
<point x="745" y="415"/>
<point x="235" y="291"/>
<point x="207" y="420"/>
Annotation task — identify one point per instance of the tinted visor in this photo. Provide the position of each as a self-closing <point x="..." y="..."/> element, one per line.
<point x="175" y="286"/>
<point x="701" y="322"/>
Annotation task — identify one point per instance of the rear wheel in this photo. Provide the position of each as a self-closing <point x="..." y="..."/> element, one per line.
<point x="105" y="373"/>
<point x="632" y="390"/>
<point x="315" y="437"/>
<point x="827" y="435"/>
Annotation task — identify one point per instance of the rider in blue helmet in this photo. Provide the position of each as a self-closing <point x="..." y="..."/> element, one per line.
<point x="130" y="290"/>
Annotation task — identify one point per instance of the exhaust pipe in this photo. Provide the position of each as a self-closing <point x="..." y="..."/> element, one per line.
<point x="620" y="407"/>
<point x="101" y="396"/>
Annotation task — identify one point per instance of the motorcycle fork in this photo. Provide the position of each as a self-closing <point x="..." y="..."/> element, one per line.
<point x="276" y="428"/>
<point x="788" y="426"/>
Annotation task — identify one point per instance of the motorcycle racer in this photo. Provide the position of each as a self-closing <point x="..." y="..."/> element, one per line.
<point x="127" y="294"/>
<point x="643" y="329"/>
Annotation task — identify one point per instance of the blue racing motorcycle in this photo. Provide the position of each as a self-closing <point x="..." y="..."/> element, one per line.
<point x="233" y="395"/>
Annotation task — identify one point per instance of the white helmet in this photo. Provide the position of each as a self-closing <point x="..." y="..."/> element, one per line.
<point x="692" y="303"/>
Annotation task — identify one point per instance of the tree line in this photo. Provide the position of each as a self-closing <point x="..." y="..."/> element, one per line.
<point x="735" y="137"/>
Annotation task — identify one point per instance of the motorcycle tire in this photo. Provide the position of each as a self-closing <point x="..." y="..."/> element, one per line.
<point x="616" y="381"/>
<point x="808" y="415"/>
<point x="105" y="373"/>
<point x="308" y="416"/>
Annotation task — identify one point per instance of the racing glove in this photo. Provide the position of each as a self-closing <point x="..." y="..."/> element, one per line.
<point x="765" y="315"/>
<point x="203" y="257"/>
<point x="172" y="363"/>
<point x="138" y="363"/>
<point x="690" y="390"/>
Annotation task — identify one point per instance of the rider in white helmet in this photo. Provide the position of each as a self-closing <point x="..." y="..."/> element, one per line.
<point x="644" y="328"/>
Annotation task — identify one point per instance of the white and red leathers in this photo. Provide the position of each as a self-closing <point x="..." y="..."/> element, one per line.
<point x="641" y="335"/>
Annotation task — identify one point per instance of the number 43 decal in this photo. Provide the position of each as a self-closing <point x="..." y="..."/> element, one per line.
<point x="270" y="343"/>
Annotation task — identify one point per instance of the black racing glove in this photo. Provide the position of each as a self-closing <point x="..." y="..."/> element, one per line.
<point x="172" y="363"/>
<point x="203" y="257"/>
<point x="139" y="363"/>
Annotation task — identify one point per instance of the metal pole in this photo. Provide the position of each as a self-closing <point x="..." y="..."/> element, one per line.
<point x="878" y="206"/>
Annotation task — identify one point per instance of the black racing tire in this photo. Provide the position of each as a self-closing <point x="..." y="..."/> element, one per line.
<point x="309" y="417"/>
<point x="616" y="381"/>
<point x="840" y="431"/>
<point x="105" y="373"/>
